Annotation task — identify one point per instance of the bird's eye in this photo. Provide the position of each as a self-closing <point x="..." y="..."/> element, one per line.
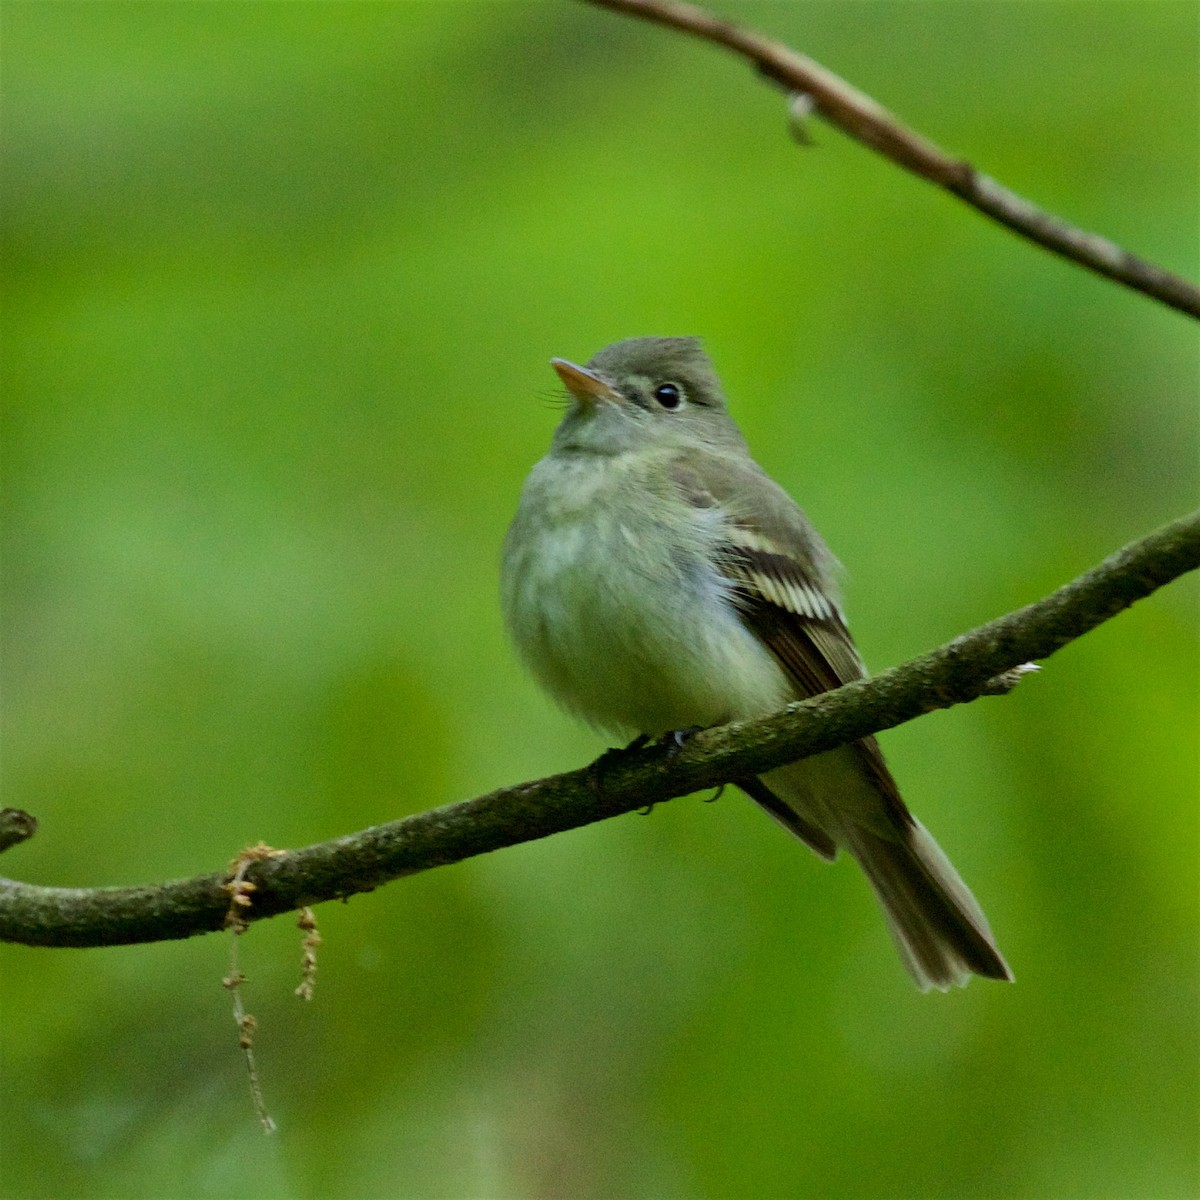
<point x="669" y="395"/>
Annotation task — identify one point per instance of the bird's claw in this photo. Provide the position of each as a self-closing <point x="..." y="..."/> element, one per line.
<point x="670" y="743"/>
<point x="612" y="755"/>
<point x="678" y="738"/>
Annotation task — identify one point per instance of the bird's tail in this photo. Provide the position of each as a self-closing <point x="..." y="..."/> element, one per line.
<point x="939" y="928"/>
<point x="847" y="798"/>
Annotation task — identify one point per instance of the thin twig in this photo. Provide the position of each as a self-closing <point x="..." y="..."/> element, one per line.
<point x="240" y="891"/>
<point x="959" y="671"/>
<point x="247" y="1026"/>
<point x="307" y="921"/>
<point x="16" y="826"/>
<point x="862" y="118"/>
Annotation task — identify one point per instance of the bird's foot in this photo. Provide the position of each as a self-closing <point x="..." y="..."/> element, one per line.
<point x="669" y="743"/>
<point x="612" y="755"/>
<point x="675" y="741"/>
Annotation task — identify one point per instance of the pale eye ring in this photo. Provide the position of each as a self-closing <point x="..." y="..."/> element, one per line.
<point x="669" y="395"/>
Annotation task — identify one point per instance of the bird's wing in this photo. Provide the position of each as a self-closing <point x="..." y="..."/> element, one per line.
<point x="781" y="576"/>
<point x="784" y="587"/>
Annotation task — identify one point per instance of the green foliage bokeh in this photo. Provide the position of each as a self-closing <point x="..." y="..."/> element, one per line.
<point x="281" y="282"/>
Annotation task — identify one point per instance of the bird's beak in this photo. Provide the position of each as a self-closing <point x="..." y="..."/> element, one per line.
<point x="586" y="386"/>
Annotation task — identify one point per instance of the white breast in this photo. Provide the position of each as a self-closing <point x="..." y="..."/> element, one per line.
<point x="618" y="612"/>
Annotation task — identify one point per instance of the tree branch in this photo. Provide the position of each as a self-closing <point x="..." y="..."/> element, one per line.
<point x="862" y="118"/>
<point x="15" y="827"/>
<point x="955" y="673"/>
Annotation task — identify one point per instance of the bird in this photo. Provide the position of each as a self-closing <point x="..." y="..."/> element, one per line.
<point x="655" y="579"/>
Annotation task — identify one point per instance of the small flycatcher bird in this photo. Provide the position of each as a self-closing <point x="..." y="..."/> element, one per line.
<point x="656" y="579"/>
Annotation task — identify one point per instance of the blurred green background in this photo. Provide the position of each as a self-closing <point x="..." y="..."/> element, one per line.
<point x="281" y="284"/>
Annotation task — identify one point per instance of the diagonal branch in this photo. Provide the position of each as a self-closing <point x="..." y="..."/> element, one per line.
<point x="862" y="118"/>
<point x="955" y="673"/>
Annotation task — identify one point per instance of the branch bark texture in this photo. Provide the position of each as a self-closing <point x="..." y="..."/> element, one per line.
<point x="955" y="673"/>
<point x="864" y="119"/>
